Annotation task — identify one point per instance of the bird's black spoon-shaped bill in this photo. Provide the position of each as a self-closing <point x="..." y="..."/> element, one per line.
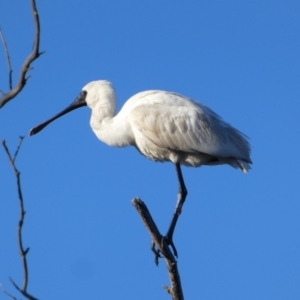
<point x="79" y="102"/>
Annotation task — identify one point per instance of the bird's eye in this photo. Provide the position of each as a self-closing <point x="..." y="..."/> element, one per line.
<point x="83" y="93"/>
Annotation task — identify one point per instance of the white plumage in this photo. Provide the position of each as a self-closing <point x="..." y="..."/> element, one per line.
<point x="163" y="126"/>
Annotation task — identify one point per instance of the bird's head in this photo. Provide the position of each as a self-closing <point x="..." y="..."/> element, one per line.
<point x="97" y="91"/>
<point x="89" y="96"/>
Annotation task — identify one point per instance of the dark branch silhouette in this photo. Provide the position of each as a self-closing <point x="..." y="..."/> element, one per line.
<point x="6" y="97"/>
<point x="161" y="247"/>
<point x="6" y="292"/>
<point x="23" y="252"/>
<point x="7" y="59"/>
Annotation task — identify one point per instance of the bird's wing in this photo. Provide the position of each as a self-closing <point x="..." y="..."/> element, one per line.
<point x="189" y="127"/>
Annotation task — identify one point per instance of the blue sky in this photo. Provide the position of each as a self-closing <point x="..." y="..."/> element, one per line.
<point x="239" y="235"/>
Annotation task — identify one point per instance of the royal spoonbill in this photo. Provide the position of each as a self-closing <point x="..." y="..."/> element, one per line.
<point x="163" y="126"/>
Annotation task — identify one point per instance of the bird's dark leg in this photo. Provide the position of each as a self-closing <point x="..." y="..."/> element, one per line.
<point x="182" y="193"/>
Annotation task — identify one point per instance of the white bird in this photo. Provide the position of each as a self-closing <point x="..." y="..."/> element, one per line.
<point x="163" y="126"/>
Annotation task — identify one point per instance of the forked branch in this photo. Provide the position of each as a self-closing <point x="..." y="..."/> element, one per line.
<point x="157" y="240"/>
<point x="13" y="92"/>
<point x="23" y="252"/>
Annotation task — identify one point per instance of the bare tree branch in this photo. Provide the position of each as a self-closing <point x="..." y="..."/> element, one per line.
<point x="7" y="59"/>
<point x="23" y="252"/>
<point x="6" y="292"/>
<point x="157" y="239"/>
<point x="26" y="65"/>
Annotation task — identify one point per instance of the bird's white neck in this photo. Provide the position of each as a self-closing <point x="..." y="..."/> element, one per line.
<point x="110" y="129"/>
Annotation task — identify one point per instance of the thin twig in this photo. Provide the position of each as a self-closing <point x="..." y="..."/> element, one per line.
<point x="18" y="148"/>
<point x="6" y="292"/>
<point x="175" y="290"/>
<point x="7" y="59"/>
<point x="23" y="292"/>
<point x="23" y="252"/>
<point x="26" y="65"/>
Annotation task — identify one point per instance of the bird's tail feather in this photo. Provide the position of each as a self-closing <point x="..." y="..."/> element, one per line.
<point x="238" y="164"/>
<point x="243" y="166"/>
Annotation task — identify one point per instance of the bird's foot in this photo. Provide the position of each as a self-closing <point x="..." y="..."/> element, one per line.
<point x="169" y="241"/>
<point x="156" y="253"/>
